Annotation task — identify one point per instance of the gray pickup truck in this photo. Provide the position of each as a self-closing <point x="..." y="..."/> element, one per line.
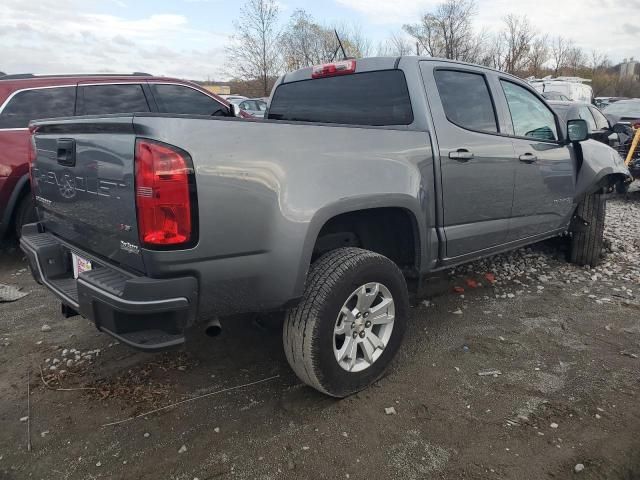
<point x="365" y="174"/>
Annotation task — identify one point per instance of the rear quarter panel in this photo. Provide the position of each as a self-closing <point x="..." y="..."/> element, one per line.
<point x="265" y="189"/>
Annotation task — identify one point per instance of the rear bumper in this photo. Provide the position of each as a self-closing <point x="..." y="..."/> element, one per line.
<point x="145" y="313"/>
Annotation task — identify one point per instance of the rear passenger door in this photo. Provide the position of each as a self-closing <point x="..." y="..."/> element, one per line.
<point x="476" y="161"/>
<point x="545" y="167"/>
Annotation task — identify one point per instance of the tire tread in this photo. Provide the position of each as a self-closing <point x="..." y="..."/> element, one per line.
<point x="586" y="246"/>
<point x="302" y="321"/>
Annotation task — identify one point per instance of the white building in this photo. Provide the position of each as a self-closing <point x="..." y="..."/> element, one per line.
<point x="629" y="69"/>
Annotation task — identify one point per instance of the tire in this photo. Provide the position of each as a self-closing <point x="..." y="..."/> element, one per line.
<point x="309" y="336"/>
<point x="586" y="244"/>
<point x="25" y="213"/>
<point x="622" y="188"/>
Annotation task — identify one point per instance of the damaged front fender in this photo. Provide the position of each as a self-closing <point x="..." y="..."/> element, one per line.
<point x="599" y="161"/>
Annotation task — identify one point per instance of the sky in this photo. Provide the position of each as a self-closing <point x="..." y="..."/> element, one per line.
<point x="186" y="38"/>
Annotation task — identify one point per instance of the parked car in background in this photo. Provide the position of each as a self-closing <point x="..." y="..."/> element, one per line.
<point x="602" y="102"/>
<point x="627" y="111"/>
<point x="556" y="96"/>
<point x="574" y="88"/>
<point x="255" y="106"/>
<point x="28" y="97"/>
<point x="602" y="128"/>
<point x="366" y="173"/>
<point x="236" y="99"/>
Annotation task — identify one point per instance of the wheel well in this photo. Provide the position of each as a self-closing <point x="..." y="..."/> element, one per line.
<point x="392" y="232"/>
<point x="609" y="182"/>
<point x="24" y="191"/>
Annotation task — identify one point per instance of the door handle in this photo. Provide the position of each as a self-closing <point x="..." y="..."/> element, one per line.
<point x="462" y="155"/>
<point x="66" y="152"/>
<point x="528" y="158"/>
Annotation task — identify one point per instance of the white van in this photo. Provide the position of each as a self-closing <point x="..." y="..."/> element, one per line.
<point x="573" y="88"/>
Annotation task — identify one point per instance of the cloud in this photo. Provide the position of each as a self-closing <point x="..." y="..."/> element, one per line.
<point x="631" y="29"/>
<point x="163" y="44"/>
<point x="389" y="12"/>
<point x="591" y="24"/>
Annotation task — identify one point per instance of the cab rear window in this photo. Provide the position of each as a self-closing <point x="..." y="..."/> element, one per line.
<point x="378" y="98"/>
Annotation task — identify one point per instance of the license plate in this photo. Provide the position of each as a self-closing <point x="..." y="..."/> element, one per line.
<point x="79" y="265"/>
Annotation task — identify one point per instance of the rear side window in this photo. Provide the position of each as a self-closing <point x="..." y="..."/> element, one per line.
<point x="35" y="104"/>
<point x="466" y="100"/>
<point x="370" y="98"/>
<point x="106" y="99"/>
<point x="601" y="121"/>
<point x="530" y="116"/>
<point x="585" y="114"/>
<point x="185" y="100"/>
<point x="253" y="105"/>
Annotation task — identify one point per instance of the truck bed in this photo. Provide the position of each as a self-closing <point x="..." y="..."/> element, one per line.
<point x="264" y="190"/>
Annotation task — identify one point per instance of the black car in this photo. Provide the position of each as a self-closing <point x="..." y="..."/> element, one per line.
<point x="627" y="113"/>
<point x="600" y="127"/>
<point x="626" y="110"/>
<point x="606" y="127"/>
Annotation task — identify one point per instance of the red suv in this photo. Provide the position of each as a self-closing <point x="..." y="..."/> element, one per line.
<point x="29" y="97"/>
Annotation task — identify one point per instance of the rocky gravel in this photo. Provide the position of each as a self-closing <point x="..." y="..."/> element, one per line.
<point x="524" y="366"/>
<point x="532" y="269"/>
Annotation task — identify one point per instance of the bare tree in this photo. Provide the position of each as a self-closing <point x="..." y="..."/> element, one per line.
<point x="517" y="36"/>
<point x="604" y="83"/>
<point x="253" y="52"/>
<point x="396" y="46"/>
<point x="355" y="43"/>
<point x="599" y="61"/>
<point x="305" y="43"/>
<point x="559" y="51"/>
<point x="538" y="55"/>
<point x="576" y="60"/>
<point x="494" y="54"/>
<point x="448" y="31"/>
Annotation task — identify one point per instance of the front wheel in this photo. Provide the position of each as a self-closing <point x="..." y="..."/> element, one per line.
<point x="587" y="239"/>
<point x="622" y="187"/>
<point x="349" y="325"/>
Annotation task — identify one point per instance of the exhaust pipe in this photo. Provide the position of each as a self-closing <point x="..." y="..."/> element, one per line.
<point x="213" y="327"/>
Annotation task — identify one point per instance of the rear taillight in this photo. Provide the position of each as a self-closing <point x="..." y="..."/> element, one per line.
<point x="333" y="69"/>
<point x="164" y="202"/>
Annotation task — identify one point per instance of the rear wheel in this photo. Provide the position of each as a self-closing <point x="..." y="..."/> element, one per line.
<point x="25" y="213"/>
<point x="587" y="239"/>
<point x="349" y="325"/>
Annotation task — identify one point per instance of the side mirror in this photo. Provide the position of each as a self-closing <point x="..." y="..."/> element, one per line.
<point x="234" y="109"/>
<point x="577" y="130"/>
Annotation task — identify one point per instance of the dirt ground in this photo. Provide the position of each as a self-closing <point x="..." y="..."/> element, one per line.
<point x="565" y="341"/>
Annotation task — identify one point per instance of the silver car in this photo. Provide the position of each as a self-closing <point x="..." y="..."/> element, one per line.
<point x="254" y="106"/>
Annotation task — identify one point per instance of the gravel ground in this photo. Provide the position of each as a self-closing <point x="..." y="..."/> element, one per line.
<point x="517" y="367"/>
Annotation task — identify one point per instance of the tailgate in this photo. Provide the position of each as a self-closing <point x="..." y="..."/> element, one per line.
<point x="83" y="177"/>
